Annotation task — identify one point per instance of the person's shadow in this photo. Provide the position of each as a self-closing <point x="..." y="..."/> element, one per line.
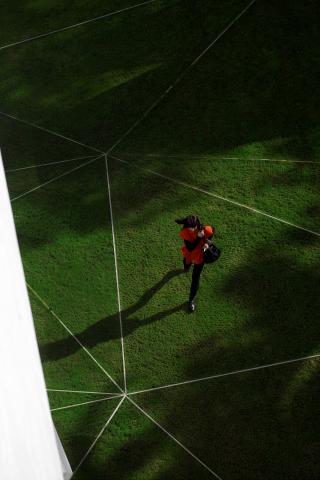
<point x="108" y="328"/>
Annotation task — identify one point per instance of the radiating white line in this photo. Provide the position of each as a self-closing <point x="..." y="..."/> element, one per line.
<point x="54" y="179"/>
<point x="80" y="391"/>
<point x="235" y="372"/>
<point x="85" y="22"/>
<point x="178" y="79"/>
<point x="75" y="338"/>
<point x="84" y="403"/>
<point x="51" y="132"/>
<point x="174" y="439"/>
<point x="270" y="160"/>
<point x="99" y="435"/>
<point x="117" y="275"/>
<point x="11" y="170"/>
<point x="216" y="157"/>
<point x="215" y="195"/>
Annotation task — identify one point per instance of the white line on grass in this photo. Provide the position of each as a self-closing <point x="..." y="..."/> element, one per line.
<point x="216" y="157"/>
<point x="99" y="435"/>
<point x="235" y="372"/>
<point x="75" y="25"/>
<point x="215" y="195"/>
<point x="179" y="78"/>
<point x="85" y="403"/>
<point x="11" y="170"/>
<point x="270" y="160"/>
<point x="174" y="439"/>
<point x="74" y="336"/>
<point x="117" y="275"/>
<point x="54" y="179"/>
<point x="51" y="132"/>
<point x="80" y="391"/>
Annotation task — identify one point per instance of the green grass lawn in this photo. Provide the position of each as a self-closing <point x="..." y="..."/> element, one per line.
<point x="243" y="127"/>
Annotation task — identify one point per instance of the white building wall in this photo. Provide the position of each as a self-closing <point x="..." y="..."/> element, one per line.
<point x="28" y="446"/>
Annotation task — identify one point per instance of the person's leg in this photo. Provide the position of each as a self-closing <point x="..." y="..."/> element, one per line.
<point x="186" y="266"/>
<point x="197" y="269"/>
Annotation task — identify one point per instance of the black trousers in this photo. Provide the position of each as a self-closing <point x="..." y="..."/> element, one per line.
<point x="197" y="269"/>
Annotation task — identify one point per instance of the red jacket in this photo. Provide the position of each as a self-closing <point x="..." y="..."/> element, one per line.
<point x="196" y="255"/>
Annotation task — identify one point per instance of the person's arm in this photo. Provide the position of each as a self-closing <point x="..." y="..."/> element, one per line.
<point x="206" y="245"/>
<point x="189" y="240"/>
<point x="208" y="234"/>
<point x="192" y="245"/>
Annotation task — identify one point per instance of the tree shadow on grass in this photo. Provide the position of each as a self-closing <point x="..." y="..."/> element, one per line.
<point x="107" y="328"/>
<point x="249" y="88"/>
<point x="261" y="424"/>
<point x="255" y="425"/>
<point x="30" y="18"/>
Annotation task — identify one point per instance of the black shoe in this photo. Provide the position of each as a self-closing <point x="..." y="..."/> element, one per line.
<point x="191" y="306"/>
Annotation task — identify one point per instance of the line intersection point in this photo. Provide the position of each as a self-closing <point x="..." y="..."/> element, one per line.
<point x="220" y="375"/>
<point x="55" y="178"/>
<point x="12" y="170"/>
<point x="50" y="132"/>
<point x="85" y="403"/>
<point x="80" y="392"/>
<point x="74" y="337"/>
<point x="179" y="78"/>
<point x="99" y="435"/>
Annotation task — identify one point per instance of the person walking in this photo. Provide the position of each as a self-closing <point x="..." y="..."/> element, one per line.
<point x="196" y="240"/>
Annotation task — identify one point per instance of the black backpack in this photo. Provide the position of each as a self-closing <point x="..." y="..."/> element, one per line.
<point x="211" y="254"/>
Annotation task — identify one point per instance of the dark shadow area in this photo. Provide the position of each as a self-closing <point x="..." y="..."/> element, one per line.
<point x="122" y="68"/>
<point x="77" y="202"/>
<point x="79" y="427"/>
<point x="259" y="424"/>
<point x="127" y="458"/>
<point x="281" y="293"/>
<point x="244" y="427"/>
<point x="255" y="85"/>
<point x="146" y="453"/>
<point x="247" y="426"/>
<point x="303" y="175"/>
<point x="89" y="96"/>
<point x="108" y="328"/>
<point x="33" y="17"/>
<point x="250" y="87"/>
